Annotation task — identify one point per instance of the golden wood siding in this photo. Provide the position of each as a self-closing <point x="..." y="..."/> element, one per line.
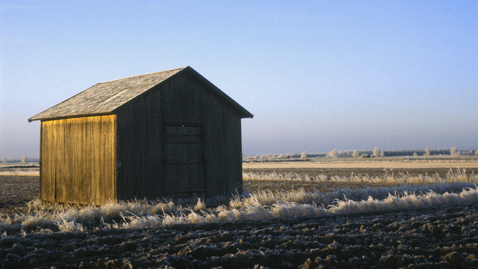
<point x="78" y="158"/>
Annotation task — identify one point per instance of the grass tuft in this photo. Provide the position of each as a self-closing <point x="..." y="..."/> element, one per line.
<point x="456" y="188"/>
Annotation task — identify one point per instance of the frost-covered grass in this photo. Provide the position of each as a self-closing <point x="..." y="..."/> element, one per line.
<point x="453" y="176"/>
<point x="315" y="197"/>
<point x="45" y="218"/>
<point x="21" y="172"/>
<point x="254" y="207"/>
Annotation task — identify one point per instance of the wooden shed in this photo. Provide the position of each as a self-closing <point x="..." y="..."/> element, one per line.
<point x="170" y="134"/>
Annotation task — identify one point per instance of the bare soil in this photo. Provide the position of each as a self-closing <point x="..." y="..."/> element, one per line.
<point x="16" y="191"/>
<point x="431" y="238"/>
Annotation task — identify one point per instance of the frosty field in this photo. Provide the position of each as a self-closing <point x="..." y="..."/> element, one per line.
<point x="364" y="217"/>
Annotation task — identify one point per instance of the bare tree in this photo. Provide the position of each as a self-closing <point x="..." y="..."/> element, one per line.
<point x="303" y="156"/>
<point x="24" y="159"/>
<point x="355" y="154"/>
<point x="453" y="151"/>
<point x="382" y="154"/>
<point x="375" y="151"/>
<point x="427" y="151"/>
<point x="476" y="152"/>
<point x="4" y="160"/>
<point x="333" y="154"/>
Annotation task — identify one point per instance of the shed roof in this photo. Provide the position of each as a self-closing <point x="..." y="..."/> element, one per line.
<point x="106" y="97"/>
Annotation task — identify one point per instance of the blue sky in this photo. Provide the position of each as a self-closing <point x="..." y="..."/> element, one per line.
<point x="317" y="75"/>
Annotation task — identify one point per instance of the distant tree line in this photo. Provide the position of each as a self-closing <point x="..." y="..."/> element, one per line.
<point x="376" y="152"/>
<point x="23" y="160"/>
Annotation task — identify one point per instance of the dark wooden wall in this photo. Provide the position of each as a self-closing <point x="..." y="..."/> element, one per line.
<point x="223" y="146"/>
<point x="183" y="159"/>
<point x="78" y="160"/>
<point x="178" y="141"/>
<point x="139" y="148"/>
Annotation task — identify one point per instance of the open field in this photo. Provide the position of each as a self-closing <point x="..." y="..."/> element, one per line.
<point x="381" y="163"/>
<point x="19" y="170"/>
<point x="16" y="191"/>
<point x="366" y="217"/>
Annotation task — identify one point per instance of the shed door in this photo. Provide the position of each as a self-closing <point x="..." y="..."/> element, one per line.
<point x="184" y="161"/>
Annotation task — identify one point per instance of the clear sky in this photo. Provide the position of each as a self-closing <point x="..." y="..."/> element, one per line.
<point x="317" y="75"/>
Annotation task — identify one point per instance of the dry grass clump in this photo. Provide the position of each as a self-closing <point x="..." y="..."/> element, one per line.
<point x="405" y="201"/>
<point x="258" y="205"/>
<point x="21" y="172"/>
<point x="69" y="217"/>
<point x="453" y="176"/>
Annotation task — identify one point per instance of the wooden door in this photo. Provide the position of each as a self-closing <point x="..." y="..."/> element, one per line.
<point x="183" y="158"/>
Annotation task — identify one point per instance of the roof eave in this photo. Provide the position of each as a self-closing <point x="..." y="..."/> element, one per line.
<point x="34" y="118"/>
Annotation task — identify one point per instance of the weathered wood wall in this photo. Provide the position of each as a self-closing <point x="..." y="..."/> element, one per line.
<point x="183" y="159"/>
<point x="178" y="141"/>
<point x="139" y="148"/>
<point x="78" y="160"/>
<point x="223" y="146"/>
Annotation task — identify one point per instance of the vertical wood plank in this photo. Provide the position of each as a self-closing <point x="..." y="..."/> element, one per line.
<point x="78" y="159"/>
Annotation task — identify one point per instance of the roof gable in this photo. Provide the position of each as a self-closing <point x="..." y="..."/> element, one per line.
<point x="106" y="97"/>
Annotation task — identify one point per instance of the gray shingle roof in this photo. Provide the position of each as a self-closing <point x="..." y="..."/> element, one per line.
<point x="105" y="97"/>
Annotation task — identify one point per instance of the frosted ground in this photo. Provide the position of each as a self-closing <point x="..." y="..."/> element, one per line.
<point x="382" y="220"/>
